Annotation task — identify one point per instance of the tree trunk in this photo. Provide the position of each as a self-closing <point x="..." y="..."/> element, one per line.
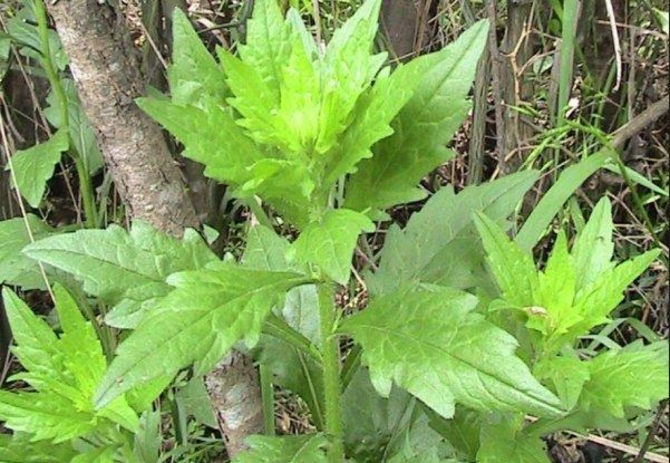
<point x="105" y="67"/>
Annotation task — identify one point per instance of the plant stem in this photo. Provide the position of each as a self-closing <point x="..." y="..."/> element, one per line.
<point x="267" y="395"/>
<point x="331" y="372"/>
<point x="85" y="185"/>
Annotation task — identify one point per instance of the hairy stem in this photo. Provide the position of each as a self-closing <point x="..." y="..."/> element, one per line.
<point x="331" y="372"/>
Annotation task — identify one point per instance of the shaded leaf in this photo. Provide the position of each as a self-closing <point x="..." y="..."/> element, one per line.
<point x="284" y="449"/>
<point x="35" y="166"/>
<point x="194" y="75"/>
<point x="82" y="135"/>
<point x="440" y="243"/>
<point x="15" y="267"/>
<point x="506" y="441"/>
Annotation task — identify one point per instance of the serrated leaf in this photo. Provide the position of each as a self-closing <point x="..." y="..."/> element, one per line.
<point x="15" y="267"/>
<point x="120" y="266"/>
<point x="284" y="449"/>
<point x="505" y="441"/>
<point x="34" y="166"/>
<point x="431" y="343"/>
<point x="371" y="421"/>
<point x="211" y="137"/>
<point x="371" y="119"/>
<point x="598" y="299"/>
<point x="552" y="310"/>
<point x="632" y="377"/>
<point x="64" y="372"/>
<point x="18" y="449"/>
<point x="462" y="431"/>
<point x="567" y="374"/>
<point x="422" y="129"/>
<point x="593" y="247"/>
<point x="440" y="244"/>
<point x="194" y="76"/>
<point x="330" y="242"/>
<point x="513" y="269"/>
<point x="82" y="136"/>
<point x="36" y="341"/>
<point x="348" y="69"/>
<point x="267" y="46"/>
<point x="199" y="321"/>
<point x="256" y="102"/>
<point x="266" y="250"/>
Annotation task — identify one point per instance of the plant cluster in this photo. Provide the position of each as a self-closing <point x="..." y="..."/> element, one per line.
<point x="463" y="338"/>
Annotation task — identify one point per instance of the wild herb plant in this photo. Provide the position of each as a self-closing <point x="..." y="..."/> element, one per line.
<point x="463" y="337"/>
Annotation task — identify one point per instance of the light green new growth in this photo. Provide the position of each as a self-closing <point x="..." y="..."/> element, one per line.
<point x="64" y="372"/>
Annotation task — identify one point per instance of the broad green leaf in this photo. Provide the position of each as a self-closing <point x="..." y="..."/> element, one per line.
<point x="148" y="438"/>
<point x="211" y="137"/>
<point x="330" y="242"/>
<point x="506" y="441"/>
<point x="194" y="76"/>
<point x="599" y="298"/>
<point x="292" y="367"/>
<point x="63" y="373"/>
<point x="513" y="269"/>
<point x="36" y="343"/>
<point x="195" y="401"/>
<point x="567" y="375"/>
<point x="256" y="102"/>
<point x="552" y="309"/>
<point x="199" y="321"/>
<point x="266" y="250"/>
<point x="593" y="247"/>
<point x="267" y="46"/>
<point x="462" y="431"/>
<point x="35" y="166"/>
<point x="17" y="448"/>
<point x="294" y="370"/>
<point x="46" y="418"/>
<point x="419" y="443"/>
<point x="370" y="421"/>
<point x="371" y="118"/>
<point x="431" y="343"/>
<point x="300" y="106"/>
<point x="348" y="69"/>
<point x="82" y="135"/>
<point x="15" y="268"/>
<point x="664" y="19"/>
<point x="636" y="376"/>
<point x="422" y="129"/>
<point x="440" y="244"/>
<point x="309" y="448"/>
<point x="121" y="267"/>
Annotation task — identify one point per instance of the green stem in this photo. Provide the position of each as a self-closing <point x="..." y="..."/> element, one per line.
<point x="85" y="185"/>
<point x="331" y="372"/>
<point x="267" y="395"/>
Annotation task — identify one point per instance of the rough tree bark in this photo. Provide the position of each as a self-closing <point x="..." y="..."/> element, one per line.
<point x="516" y="50"/>
<point x="104" y="65"/>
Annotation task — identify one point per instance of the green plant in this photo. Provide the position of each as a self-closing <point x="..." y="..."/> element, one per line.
<point x="448" y="358"/>
<point x="32" y="168"/>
